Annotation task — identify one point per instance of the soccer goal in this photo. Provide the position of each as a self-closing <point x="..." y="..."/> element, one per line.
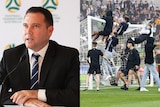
<point x="91" y="24"/>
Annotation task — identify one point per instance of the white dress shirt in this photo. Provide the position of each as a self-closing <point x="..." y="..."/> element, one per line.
<point x="42" y="52"/>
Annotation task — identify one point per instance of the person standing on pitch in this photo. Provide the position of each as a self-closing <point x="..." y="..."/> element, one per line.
<point x="150" y="65"/>
<point x="94" y="65"/>
<point x="122" y="72"/>
<point x="133" y="63"/>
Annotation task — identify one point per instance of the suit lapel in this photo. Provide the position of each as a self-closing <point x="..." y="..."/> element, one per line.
<point x="48" y="60"/>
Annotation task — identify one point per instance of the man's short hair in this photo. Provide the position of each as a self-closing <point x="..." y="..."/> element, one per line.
<point x="131" y="41"/>
<point x="126" y="18"/>
<point x="94" y="44"/>
<point x="47" y="14"/>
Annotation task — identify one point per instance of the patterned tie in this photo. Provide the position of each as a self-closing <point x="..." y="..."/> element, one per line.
<point x="34" y="77"/>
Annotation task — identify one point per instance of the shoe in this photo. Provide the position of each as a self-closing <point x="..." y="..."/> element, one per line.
<point x="124" y="87"/>
<point x="85" y="89"/>
<point x="138" y="88"/>
<point x="158" y="89"/>
<point x="143" y="89"/>
<point x="114" y="84"/>
<point x="97" y="89"/>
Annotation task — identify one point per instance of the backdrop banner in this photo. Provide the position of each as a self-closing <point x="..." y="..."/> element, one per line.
<point x="66" y="21"/>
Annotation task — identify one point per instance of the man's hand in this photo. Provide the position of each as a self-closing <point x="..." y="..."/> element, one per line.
<point x="21" y="97"/>
<point x="35" y="103"/>
<point x="137" y="67"/>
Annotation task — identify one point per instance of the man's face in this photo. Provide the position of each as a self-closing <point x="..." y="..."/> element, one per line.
<point x="36" y="33"/>
<point x="129" y="45"/>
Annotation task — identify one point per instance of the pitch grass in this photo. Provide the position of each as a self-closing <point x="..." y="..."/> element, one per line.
<point x="115" y="97"/>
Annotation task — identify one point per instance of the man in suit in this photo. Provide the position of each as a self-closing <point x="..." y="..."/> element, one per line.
<point x="58" y="70"/>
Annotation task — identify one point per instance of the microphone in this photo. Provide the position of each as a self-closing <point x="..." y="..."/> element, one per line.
<point x="4" y="80"/>
<point x="20" y="60"/>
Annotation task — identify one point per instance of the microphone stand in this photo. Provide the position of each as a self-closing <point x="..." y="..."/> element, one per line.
<point x="3" y="86"/>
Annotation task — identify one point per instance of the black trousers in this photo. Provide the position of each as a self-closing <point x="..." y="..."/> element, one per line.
<point x="141" y="38"/>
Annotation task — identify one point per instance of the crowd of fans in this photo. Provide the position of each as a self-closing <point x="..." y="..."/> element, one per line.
<point x="138" y="11"/>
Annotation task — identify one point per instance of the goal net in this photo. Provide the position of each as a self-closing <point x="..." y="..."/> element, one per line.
<point x="91" y="24"/>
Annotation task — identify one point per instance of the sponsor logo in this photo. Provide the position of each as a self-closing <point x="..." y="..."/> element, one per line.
<point x="51" y="5"/>
<point x="8" y="46"/>
<point x="13" y="5"/>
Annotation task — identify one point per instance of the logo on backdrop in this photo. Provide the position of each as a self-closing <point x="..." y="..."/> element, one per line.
<point x="8" y="46"/>
<point x="13" y="5"/>
<point x="51" y="5"/>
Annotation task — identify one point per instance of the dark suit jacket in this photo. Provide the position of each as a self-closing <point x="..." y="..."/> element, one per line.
<point x="59" y="74"/>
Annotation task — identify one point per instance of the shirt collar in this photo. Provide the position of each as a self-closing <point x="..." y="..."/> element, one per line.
<point x="42" y="52"/>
